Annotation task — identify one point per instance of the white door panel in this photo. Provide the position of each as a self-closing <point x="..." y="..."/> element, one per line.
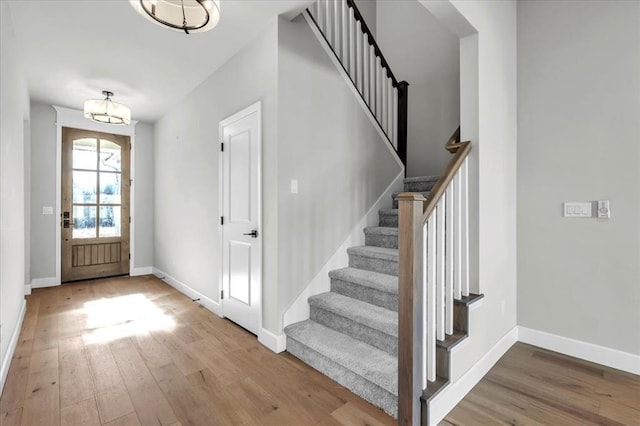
<point x="241" y="231"/>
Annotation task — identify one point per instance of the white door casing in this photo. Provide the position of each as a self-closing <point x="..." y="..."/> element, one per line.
<point x="240" y="184"/>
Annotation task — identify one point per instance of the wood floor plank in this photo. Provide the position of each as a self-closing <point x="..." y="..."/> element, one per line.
<point x="11" y="418"/>
<point x="128" y="420"/>
<point x="150" y="403"/>
<point x="16" y="384"/>
<point x="76" y="383"/>
<point x="82" y="413"/>
<point x="42" y="399"/>
<point x="349" y="414"/>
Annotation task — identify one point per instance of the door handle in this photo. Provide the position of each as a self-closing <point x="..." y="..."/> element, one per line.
<point x="253" y="234"/>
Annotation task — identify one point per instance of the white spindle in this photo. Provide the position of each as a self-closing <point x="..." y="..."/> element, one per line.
<point x="353" y="52"/>
<point x="359" y="56"/>
<point x="464" y="230"/>
<point x="457" y="240"/>
<point x="430" y="273"/>
<point x="394" y="139"/>
<point x="378" y="85"/>
<point x="383" y="101"/>
<point x="328" y="27"/>
<point x="439" y="269"/>
<point x="337" y="28"/>
<point x="366" y="63"/>
<point x="448" y="273"/>
<point x="344" y="15"/>
<point x="389" y="84"/>
<point x="372" y="79"/>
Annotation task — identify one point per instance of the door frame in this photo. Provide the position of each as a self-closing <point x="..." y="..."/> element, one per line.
<point x="67" y="117"/>
<point x="253" y="108"/>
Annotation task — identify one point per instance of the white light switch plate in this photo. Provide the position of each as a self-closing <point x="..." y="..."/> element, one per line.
<point x="580" y="209"/>
<point x="47" y="210"/>
<point x="294" y="186"/>
<point x="604" y="212"/>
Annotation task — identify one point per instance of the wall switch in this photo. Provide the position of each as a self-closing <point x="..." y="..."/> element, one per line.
<point x="603" y="209"/>
<point x="580" y="209"/>
<point x="294" y="186"/>
<point x="47" y="210"/>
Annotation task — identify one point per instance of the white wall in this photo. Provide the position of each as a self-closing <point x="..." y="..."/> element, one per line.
<point x="186" y="168"/>
<point x="579" y="140"/>
<point x="492" y="164"/>
<point x="43" y="193"/>
<point x="14" y="110"/>
<point x="425" y="53"/>
<point x="329" y="145"/>
<point x="368" y="10"/>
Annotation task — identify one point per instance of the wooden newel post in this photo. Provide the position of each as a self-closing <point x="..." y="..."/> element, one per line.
<point x="410" y="242"/>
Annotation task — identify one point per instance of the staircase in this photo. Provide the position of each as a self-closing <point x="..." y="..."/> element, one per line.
<point x="352" y="334"/>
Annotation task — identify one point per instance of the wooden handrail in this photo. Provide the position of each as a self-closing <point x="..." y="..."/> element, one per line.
<point x="372" y="41"/>
<point x="461" y="150"/>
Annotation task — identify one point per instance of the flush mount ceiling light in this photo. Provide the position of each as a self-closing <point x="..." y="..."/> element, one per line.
<point x="107" y="111"/>
<point x="190" y="16"/>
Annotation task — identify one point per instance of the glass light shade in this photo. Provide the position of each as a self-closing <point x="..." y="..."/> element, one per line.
<point x="199" y="15"/>
<point x="107" y="111"/>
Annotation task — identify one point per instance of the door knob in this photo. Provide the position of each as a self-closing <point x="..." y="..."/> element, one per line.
<point x="252" y="234"/>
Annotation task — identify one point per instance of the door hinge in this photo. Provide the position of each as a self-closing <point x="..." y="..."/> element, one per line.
<point x="221" y="220"/>
<point x="129" y="256"/>
<point x="221" y="294"/>
<point x="222" y="146"/>
<point x="129" y="219"/>
<point x="130" y="182"/>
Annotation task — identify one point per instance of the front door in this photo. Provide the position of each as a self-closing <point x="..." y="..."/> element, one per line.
<point x="95" y="204"/>
<point x="241" y="233"/>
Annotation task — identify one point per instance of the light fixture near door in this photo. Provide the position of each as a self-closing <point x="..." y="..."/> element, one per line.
<point x="190" y="16"/>
<point x="107" y="111"/>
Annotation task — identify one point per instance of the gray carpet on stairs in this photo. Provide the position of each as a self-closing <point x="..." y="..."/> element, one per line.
<point x="352" y="334"/>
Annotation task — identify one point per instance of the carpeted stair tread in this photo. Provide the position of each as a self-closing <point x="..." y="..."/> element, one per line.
<point x="381" y="253"/>
<point x="368" y="286"/>
<point x="388" y="217"/>
<point x="388" y="212"/>
<point x="374" y="365"/>
<point x="420" y="183"/>
<point x="381" y="230"/>
<point x="421" y="179"/>
<point x="381" y="236"/>
<point x="371" y="279"/>
<point x="371" y="316"/>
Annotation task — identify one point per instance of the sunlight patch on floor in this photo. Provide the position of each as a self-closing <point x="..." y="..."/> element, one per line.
<point x="119" y="317"/>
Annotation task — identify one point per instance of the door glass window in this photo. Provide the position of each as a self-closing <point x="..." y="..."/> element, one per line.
<point x="97" y="187"/>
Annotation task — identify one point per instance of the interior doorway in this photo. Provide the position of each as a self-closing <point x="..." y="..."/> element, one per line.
<point x="95" y="201"/>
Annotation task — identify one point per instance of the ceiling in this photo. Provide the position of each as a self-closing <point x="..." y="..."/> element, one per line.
<point x="72" y="50"/>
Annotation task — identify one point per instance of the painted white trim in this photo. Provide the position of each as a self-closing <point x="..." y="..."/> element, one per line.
<point x="27" y="289"/>
<point x="299" y="309"/>
<point x="143" y="270"/>
<point x="74" y="118"/>
<point x="13" y="343"/>
<point x="351" y="86"/>
<point x="451" y="395"/>
<point x="276" y="343"/>
<point x="208" y="303"/>
<point x="613" y="358"/>
<point x="44" y="282"/>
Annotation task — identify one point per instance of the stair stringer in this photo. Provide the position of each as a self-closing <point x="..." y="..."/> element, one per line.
<point x="299" y="310"/>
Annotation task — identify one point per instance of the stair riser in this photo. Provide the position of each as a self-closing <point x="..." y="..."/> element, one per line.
<point x="388" y="220"/>
<point x="377" y="240"/>
<point x="419" y="186"/>
<point x="388" y="267"/>
<point x="366" y="294"/>
<point x="355" y="383"/>
<point x="376" y="338"/>
<point x="394" y="204"/>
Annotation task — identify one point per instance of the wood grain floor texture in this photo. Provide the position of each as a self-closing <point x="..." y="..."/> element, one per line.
<point x="134" y="351"/>
<point x="532" y="386"/>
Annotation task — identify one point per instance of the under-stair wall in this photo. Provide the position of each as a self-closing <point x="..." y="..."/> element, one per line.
<point x="330" y="146"/>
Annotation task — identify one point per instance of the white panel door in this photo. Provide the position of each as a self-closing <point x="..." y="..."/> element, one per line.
<point x="241" y="222"/>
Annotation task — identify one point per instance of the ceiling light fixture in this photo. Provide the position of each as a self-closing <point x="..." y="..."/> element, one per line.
<point x="107" y="111"/>
<point x="190" y="16"/>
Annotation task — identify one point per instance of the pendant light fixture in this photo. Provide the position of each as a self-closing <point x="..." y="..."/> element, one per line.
<point x="190" y="16"/>
<point x="107" y="111"/>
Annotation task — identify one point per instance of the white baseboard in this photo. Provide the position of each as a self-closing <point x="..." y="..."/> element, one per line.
<point x="446" y="400"/>
<point x="44" y="282"/>
<point x="276" y="343"/>
<point x="208" y="303"/>
<point x="143" y="270"/>
<point x="6" y="361"/>
<point x="27" y="289"/>
<point x="587" y="351"/>
<point x="299" y="309"/>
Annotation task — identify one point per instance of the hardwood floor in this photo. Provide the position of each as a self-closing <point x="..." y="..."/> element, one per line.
<point x="131" y="351"/>
<point x="533" y="386"/>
